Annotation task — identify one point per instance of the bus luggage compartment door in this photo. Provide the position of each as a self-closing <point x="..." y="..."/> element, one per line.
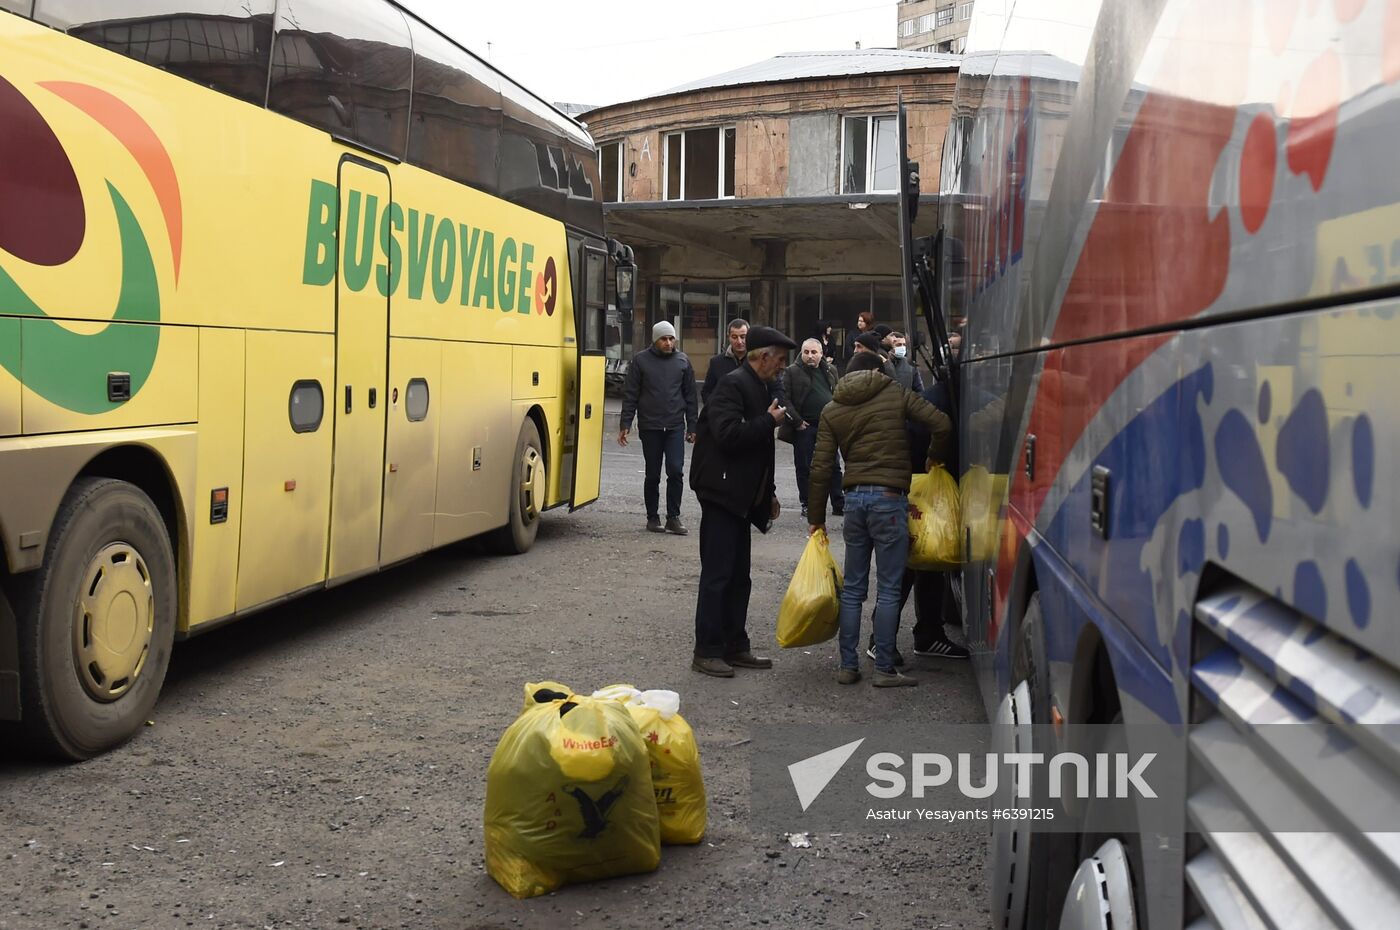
<point x="361" y="373"/>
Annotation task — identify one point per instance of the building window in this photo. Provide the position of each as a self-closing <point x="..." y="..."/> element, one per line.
<point x="924" y="23"/>
<point x="700" y="163"/>
<point x="945" y="16"/>
<point x="869" y="155"/>
<point x="964" y="11"/>
<point x="610" y="166"/>
<point x="906" y="28"/>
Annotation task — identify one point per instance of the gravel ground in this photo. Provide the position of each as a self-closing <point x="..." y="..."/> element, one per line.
<point x="324" y="764"/>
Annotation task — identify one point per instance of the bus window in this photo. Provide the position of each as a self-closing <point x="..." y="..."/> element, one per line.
<point x="22" y="7"/>
<point x="345" y="69"/>
<point x="228" y="51"/>
<point x="456" y="125"/>
<point x="533" y="166"/>
<point x="594" y="301"/>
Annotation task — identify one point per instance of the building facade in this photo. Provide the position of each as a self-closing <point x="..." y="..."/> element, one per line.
<point x="770" y="193"/>
<point x="934" y="25"/>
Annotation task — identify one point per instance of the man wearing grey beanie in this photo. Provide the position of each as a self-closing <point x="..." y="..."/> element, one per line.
<point x="660" y="392"/>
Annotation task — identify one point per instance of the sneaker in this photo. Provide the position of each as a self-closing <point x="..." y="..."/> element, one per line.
<point x="804" y="510"/>
<point x="894" y="679"/>
<point x="654" y="525"/>
<point x="943" y="649"/>
<point x="714" y="667"/>
<point x="847" y="676"/>
<point x="898" y="656"/>
<point x="676" y="527"/>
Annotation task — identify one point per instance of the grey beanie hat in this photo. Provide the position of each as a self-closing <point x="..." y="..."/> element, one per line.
<point x="662" y="330"/>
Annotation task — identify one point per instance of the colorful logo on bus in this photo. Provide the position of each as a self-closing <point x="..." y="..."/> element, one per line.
<point x="44" y="222"/>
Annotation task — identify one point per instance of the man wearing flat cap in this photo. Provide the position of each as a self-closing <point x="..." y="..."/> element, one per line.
<point x="732" y="475"/>
<point x="660" y="392"/>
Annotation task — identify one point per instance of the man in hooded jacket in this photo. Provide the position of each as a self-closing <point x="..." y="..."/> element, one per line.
<point x="865" y="420"/>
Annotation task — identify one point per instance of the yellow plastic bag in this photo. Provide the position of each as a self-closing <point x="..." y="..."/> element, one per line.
<point x="982" y="495"/>
<point x="935" y="525"/>
<point x="809" y="611"/>
<point x="569" y="796"/>
<point x="676" y="778"/>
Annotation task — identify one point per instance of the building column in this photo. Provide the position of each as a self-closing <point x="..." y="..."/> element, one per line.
<point x="767" y="294"/>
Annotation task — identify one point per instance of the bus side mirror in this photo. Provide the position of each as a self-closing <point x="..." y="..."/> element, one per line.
<point x="626" y="283"/>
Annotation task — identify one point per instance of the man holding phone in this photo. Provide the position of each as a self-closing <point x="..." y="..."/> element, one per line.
<point x="731" y="473"/>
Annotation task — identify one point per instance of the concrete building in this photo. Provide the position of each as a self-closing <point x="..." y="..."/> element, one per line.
<point x="769" y="192"/>
<point x="934" y="25"/>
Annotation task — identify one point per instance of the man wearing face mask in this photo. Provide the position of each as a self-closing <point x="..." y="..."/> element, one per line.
<point x="905" y="372"/>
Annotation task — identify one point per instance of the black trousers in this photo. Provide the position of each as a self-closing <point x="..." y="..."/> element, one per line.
<point x="933" y="606"/>
<point x="722" y="605"/>
<point x="933" y="602"/>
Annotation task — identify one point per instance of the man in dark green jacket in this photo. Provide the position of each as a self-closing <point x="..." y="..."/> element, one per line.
<point x="808" y="383"/>
<point x="865" y="420"/>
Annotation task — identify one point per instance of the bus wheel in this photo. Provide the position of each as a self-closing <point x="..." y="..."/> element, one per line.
<point x="97" y="621"/>
<point x="1101" y="895"/>
<point x="1022" y="856"/>
<point x="527" y="491"/>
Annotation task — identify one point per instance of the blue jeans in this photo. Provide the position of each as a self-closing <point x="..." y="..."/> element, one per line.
<point x="876" y="519"/>
<point x="668" y="444"/>
<point x="804" y="443"/>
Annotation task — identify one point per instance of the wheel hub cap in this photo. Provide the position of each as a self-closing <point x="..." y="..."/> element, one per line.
<point x="113" y="622"/>
<point x="531" y="485"/>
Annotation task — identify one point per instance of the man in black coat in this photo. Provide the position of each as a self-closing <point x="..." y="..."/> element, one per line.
<point x="731" y="473"/>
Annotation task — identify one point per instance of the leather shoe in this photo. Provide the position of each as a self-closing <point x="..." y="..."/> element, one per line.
<point x="748" y="660"/>
<point x="709" y="665"/>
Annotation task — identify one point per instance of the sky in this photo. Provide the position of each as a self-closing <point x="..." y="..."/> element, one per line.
<point x="605" y="51"/>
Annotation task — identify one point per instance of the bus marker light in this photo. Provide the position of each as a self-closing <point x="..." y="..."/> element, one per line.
<point x="289" y="486"/>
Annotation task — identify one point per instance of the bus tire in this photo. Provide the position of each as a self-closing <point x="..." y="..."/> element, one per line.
<point x="96" y="621"/>
<point x="1023" y="859"/>
<point x="526" y="495"/>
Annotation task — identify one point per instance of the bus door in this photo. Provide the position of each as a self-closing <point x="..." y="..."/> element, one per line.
<point x="592" y="314"/>
<point x="361" y="373"/>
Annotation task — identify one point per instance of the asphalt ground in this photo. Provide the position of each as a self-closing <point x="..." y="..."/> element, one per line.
<point x="324" y="764"/>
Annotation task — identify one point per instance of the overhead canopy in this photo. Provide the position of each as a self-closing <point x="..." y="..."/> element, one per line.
<point x="733" y="226"/>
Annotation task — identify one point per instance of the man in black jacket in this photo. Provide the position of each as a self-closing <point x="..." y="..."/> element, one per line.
<point x="728" y="360"/>
<point x="732" y="475"/>
<point x="731" y="359"/>
<point x="809" y="382"/>
<point x="660" y="392"/>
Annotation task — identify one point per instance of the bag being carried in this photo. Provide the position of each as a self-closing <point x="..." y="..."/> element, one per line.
<point x="676" y="778"/>
<point x="568" y="795"/>
<point x="809" y="611"/>
<point x="935" y="525"/>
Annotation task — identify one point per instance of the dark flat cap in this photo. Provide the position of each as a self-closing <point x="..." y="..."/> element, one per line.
<point x="762" y="337"/>
<point x="870" y="340"/>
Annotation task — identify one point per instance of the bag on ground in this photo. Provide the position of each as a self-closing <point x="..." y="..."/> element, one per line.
<point x="569" y="795"/>
<point x="935" y="525"/>
<point x="676" y="778"/>
<point x="808" y="614"/>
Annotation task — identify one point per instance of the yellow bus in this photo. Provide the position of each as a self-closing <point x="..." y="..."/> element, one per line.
<point x="289" y="292"/>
